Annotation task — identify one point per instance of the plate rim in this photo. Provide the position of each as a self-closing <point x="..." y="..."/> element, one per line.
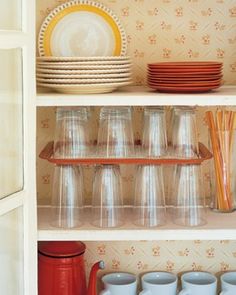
<point x="82" y="58"/>
<point x="96" y="5"/>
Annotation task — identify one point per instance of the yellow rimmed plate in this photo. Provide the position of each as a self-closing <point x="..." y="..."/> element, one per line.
<point x="82" y="28"/>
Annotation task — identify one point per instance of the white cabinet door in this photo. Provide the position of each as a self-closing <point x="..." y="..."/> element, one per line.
<point x="18" y="232"/>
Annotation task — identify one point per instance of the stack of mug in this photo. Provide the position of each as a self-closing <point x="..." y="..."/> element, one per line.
<point x="116" y="140"/>
<point x="165" y="283"/>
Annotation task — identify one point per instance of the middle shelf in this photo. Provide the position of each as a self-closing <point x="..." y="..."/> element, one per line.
<point x="219" y="226"/>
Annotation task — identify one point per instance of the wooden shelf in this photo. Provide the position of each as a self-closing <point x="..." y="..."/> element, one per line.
<point x="220" y="226"/>
<point x="139" y="96"/>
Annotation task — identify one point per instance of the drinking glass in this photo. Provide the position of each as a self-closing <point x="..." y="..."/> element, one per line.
<point x="71" y="138"/>
<point x="115" y="134"/>
<point x="184" y="133"/>
<point x="189" y="201"/>
<point x="107" y="202"/>
<point x="154" y="141"/>
<point x="149" y="204"/>
<point x="67" y="197"/>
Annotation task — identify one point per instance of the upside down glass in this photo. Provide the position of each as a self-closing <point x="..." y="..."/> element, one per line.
<point x="188" y="196"/>
<point x="67" y="197"/>
<point x="107" y="202"/>
<point x="154" y="140"/>
<point x="149" y="205"/>
<point x="184" y="133"/>
<point x="71" y="138"/>
<point x="115" y="134"/>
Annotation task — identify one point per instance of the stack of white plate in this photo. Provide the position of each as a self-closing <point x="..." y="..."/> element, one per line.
<point x="83" y="74"/>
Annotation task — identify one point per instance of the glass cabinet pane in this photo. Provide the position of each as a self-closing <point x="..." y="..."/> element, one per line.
<point x="10" y="14"/>
<point x="11" y="122"/>
<point x="11" y="253"/>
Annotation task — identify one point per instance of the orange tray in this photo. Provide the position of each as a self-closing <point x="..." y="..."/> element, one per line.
<point x="47" y="154"/>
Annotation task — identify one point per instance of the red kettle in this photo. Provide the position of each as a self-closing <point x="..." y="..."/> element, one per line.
<point x="61" y="269"/>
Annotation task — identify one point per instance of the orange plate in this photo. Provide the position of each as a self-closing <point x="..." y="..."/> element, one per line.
<point x="182" y="84"/>
<point x="184" y="89"/>
<point x="183" y="79"/>
<point x="187" y="64"/>
<point x="190" y="75"/>
<point x="47" y="154"/>
<point x="188" y="71"/>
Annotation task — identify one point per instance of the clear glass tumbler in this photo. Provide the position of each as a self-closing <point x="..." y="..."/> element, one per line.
<point x="115" y="135"/>
<point x="67" y="197"/>
<point x="189" y="200"/>
<point x="71" y="138"/>
<point x="107" y="202"/>
<point x="184" y="133"/>
<point x="154" y="140"/>
<point x="149" y="204"/>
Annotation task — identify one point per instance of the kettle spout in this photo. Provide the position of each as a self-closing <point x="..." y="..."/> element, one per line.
<point x="92" y="287"/>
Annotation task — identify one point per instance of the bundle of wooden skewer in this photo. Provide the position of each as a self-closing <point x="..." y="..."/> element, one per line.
<point x="221" y="128"/>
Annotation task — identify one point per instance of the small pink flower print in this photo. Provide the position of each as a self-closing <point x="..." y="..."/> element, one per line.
<point x="210" y="253"/>
<point x="193" y="54"/>
<point x="233" y="67"/>
<point x="125" y="11"/>
<point x="232" y="12"/>
<point x="165" y="26"/>
<point x="156" y="251"/>
<point x="196" y="267"/>
<point x="166" y="53"/>
<point x="45" y="123"/>
<point x="180" y="40"/>
<point x="220" y="53"/>
<point x="152" y="39"/>
<point x="129" y="39"/>
<point x="219" y="26"/>
<point x="139" y="25"/>
<point x="115" y="264"/>
<point x="170" y="266"/>
<point x="46" y="179"/>
<point x="138" y="54"/>
<point x="224" y="266"/>
<point x="130" y="251"/>
<point x="101" y="249"/>
<point x="184" y="253"/>
<point x="153" y="12"/>
<point x="139" y="80"/>
<point x="206" y="39"/>
<point x="179" y="12"/>
<point x="207" y="12"/>
<point x="142" y="266"/>
<point x="193" y="25"/>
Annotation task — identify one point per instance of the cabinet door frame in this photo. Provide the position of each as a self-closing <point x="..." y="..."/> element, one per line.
<point x="26" y="198"/>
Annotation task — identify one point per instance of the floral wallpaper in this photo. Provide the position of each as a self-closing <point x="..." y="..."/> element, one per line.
<point x="173" y="256"/>
<point x="172" y="30"/>
<point x="157" y="30"/>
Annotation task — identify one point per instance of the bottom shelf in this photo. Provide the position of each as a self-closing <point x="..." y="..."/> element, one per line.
<point x="220" y="226"/>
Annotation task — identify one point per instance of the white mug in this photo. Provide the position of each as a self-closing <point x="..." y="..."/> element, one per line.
<point x="198" y="283"/>
<point x="159" y="283"/>
<point x="119" y="284"/>
<point x="228" y="283"/>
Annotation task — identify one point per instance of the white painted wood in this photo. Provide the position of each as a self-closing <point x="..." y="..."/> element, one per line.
<point x="12" y="202"/>
<point x="136" y="96"/>
<point x="219" y="226"/>
<point x="26" y="198"/>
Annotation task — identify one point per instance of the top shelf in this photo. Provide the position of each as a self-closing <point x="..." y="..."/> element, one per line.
<point x="139" y="96"/>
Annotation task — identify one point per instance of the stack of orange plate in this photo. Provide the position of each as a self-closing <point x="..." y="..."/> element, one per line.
<point x="185" y="77"/>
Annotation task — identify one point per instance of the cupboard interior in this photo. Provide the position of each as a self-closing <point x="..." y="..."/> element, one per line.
<point x="157" y="30"/>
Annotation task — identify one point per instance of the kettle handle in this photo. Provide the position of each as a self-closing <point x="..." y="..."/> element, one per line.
<point x="92" y="287"/>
